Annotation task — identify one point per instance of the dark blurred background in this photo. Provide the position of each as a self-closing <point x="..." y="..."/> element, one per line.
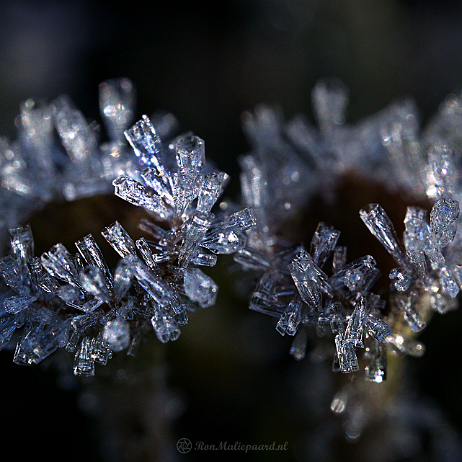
<point x="207" y="62"/>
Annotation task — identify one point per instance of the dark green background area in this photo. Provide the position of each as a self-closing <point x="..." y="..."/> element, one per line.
<point x="207" y="62"/>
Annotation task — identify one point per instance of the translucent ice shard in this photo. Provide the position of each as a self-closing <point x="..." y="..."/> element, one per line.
<point x="136" y="193"/>
<point x="123" y="277"/>
<point x="116" y="102"/>
<point x="165" y="327"/>
<point x="158" y="289"/>
<point x="323" y="243"/>
<point x="92" y="254"/>
<point x="119" y="239"/>
<point x="290" y="319"/>
<point x="346" y="355"/>
<point x="83" y="363"/>
<point x="407" y="304"/>
<point x="449" y="282"/>
<point x="194" y="231"/>
<point x="147" y="254"/>
<point x="41" y="278"/>
<point x="38" y="342"/>
<point x="117" y="334"/>
<point x="100" y="352"/>
<point x="401" y="278"/>
<point x="416" y="237"/>
<point x="252" y="259"/>
<point x="199" y="287"/>
<point x="376" y="370"/>
<point x="22" y="243"/>
<point x="354" y="275"/>
<point x="355" y="327"/>
<point x="264" y="298"/>
<point x="309" y="279"/>
<point x="339" y="258"/>
<point x="211" y="189"/>
<point x="146" y="144"/>
<point x="442" y="176"/>
<point x="76" y="136"/>
<point x="17" y="303"/>
<point x="59" y="263"/>
<point x="93" y="281"/>
<point x="380" y="225"/>
<point x="442" y="220"/>
<point x="377" y="328"/>
<point x="13" y="275"/>
<point x="190" y="152"/>
<point x="7" y="328"/>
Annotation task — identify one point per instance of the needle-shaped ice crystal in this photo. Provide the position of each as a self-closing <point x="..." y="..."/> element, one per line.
<point x="199" y="287"/>
<point x="377" y="328"/>
<point x="93" y="281"/>
<point x="92" y="254"/>
<point x="355" y="327"/>
<point x="380" y="225"/>
<point x="76" y="135"/>
<point x="290" y="319"/>
<point x="146" y="143"/>
<point x="190" y="152"/>
<point x="323" y="243"/>
<point x="116" y="102"/>
<point x="155" y="286"/>
<point x="309" y="279"/>
<point x="83" y="363"/>
<point x="211" y="189"/>
<point x="346" y="355"/>
<point x="416" y="237"/>
<point x="22" y="243"/>
<point x="354" y="275"/>
<point x="442" y="220"/>
<point x="443" y="174"/>
<point x="407" y="304"/>
<point x="59" y="263"/>
<point x="138" y="194"/>
<point x="119" y="239"/>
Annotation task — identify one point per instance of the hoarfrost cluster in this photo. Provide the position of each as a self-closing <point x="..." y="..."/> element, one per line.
<point x="316" y="289"/>
<point x="75" y="301"/>
<point x="72" y="300"/>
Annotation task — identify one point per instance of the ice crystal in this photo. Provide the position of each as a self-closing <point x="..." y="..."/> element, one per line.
<point x="292" y="163"/>
<point x="74" y="300"/>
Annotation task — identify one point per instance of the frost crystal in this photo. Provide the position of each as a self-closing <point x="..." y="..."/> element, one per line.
<point x="292" y="164"/>
<point x="74" y="300"/>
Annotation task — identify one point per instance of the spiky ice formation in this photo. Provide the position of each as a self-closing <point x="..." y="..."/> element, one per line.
<point x="74" y="301"/>
<point x="292" y="163"/>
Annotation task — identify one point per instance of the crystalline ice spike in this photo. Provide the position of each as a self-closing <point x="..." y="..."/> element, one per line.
<point x="146" y="143"/>
<point x="119" y="239"/>
<point x="116" y="102"/>
<point x="380" y="225"/>
<point x="190" y="152"/>
<point x="323" y="243"/>
<point x="22" y="243"/>
<point x="92" y="254"/>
